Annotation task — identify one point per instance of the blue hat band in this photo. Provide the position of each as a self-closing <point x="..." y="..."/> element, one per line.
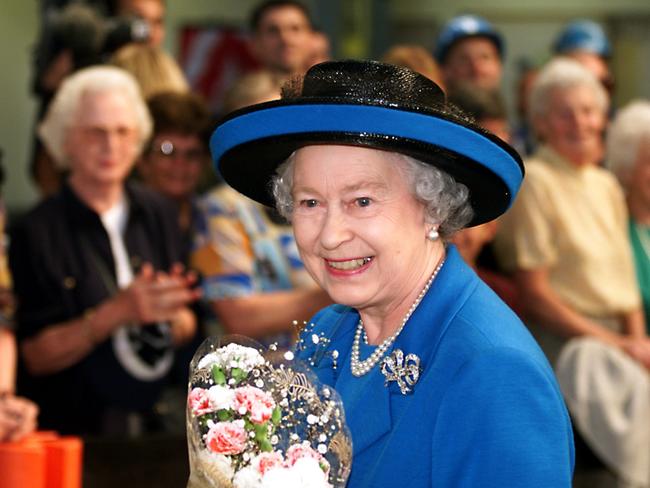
<point x="385" y="121"/>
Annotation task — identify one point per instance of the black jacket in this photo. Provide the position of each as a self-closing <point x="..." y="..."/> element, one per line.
<point x="56" y="279"/>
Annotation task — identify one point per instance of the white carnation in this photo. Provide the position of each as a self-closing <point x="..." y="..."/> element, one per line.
<point x="281" y="478"/>
<point x="221" y="397"/>
<point x="310" y="473"/>
<point x="232" y="356"/>
<point x="207" y="360"/>
<point x="247" y="477"/>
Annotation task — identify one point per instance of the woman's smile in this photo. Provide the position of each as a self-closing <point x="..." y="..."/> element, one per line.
<point x="347" y="265"/>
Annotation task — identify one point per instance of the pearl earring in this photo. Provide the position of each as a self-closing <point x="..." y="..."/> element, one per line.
<point x="433" y="235"/>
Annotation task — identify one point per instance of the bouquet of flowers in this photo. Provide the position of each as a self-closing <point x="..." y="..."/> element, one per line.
<point x="262" y="420"/>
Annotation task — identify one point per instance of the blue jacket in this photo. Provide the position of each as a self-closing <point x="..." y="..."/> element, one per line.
<point x="486" y="411"/>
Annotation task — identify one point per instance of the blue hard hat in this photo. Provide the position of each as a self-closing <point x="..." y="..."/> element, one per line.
<point x="583" y="35"/>
<point x="462" y="27"/>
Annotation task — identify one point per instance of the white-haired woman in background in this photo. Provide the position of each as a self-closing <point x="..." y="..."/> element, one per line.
<point x="565" y="239"/>
<point x="565" y="236"/>
<point x="102" y="300"/>
<point x="628" y="156"/>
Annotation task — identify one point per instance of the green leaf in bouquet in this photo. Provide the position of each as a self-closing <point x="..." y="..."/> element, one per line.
<point x="224" y="415"/>
<point x="260" y="430"/>
<point x="238" y="375"/>
<point x="262" y="437"/>
<point x="218" y="375"/>
<point x="276" y="416"/>
<point x="265" y="445"/>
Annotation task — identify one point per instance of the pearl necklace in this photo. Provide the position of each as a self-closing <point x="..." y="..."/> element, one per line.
<point x="359" y="368"/>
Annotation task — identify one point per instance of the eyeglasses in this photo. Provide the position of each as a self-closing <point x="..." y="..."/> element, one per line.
<point x="99" y="135"/>
<point x="167" y="150"/>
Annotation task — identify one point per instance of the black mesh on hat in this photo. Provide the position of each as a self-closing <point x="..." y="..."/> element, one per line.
<point x="363" y="80"/>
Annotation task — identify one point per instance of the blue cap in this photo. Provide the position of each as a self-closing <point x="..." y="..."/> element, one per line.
<point x="462" y="27"/>
<point x="583" y="35"/>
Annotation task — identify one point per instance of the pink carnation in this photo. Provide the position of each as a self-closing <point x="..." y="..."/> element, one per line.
<point x="226" y="437"/>
<point x="199" y="402"/>
<point x="299" y="451"/>
<point x="258" y="403"/>
<point x="267" y="460"/>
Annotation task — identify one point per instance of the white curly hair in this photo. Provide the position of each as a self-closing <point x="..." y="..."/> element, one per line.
<point x="560" y="74"/>
<point x="65" y="105"/>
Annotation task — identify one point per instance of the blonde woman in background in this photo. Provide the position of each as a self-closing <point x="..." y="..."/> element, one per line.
<point x="260" y="86"/>
<point x="416" y="58"/>
<point x="155" y="70"/>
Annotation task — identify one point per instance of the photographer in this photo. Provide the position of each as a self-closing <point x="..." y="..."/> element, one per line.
<point x="76" y="34"/>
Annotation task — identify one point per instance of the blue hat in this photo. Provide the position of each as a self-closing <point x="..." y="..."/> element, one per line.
<point x="463" y="27"/>
<point x="583" y="35"/>
<point x="367" y="104"/>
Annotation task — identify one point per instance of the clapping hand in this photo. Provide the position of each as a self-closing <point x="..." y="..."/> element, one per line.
<point x="156" y="296"/>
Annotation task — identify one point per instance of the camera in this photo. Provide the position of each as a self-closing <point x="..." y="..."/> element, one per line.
<point x="123" y="30"/>
<point x="89" y="36"/>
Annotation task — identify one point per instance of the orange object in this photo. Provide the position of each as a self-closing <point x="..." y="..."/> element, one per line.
<point x="22" y="465"/>
<point x="41" y="460"/>
<point x="63" y="459"/>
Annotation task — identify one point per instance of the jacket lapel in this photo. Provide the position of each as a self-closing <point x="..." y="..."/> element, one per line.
<point x="367" y="404"/>
<point x="449" y="291"/>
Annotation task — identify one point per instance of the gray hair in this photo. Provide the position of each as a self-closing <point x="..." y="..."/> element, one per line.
<point x="446" y="201"/>
<point x="563" y="73"/>
<point x="63" y="109"/>
<point x="630" y="127"/>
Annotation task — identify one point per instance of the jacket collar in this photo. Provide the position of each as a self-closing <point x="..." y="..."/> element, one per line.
<point x="368" y="401"/>
<point x="551" y="157"/>
<point x="82" y="215"/>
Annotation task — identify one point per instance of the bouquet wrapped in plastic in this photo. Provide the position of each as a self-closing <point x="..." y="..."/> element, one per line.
<point x="262" y="420"/>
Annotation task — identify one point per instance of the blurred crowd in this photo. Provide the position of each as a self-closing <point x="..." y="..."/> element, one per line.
<point x="137" y="251"/>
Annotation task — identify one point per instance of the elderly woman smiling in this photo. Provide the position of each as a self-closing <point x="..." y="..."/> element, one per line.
<point x="576" y="282"/>
<point x="102" y="301"/>
<point x="441" y="383"/>
<point x="566" y="241"/>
